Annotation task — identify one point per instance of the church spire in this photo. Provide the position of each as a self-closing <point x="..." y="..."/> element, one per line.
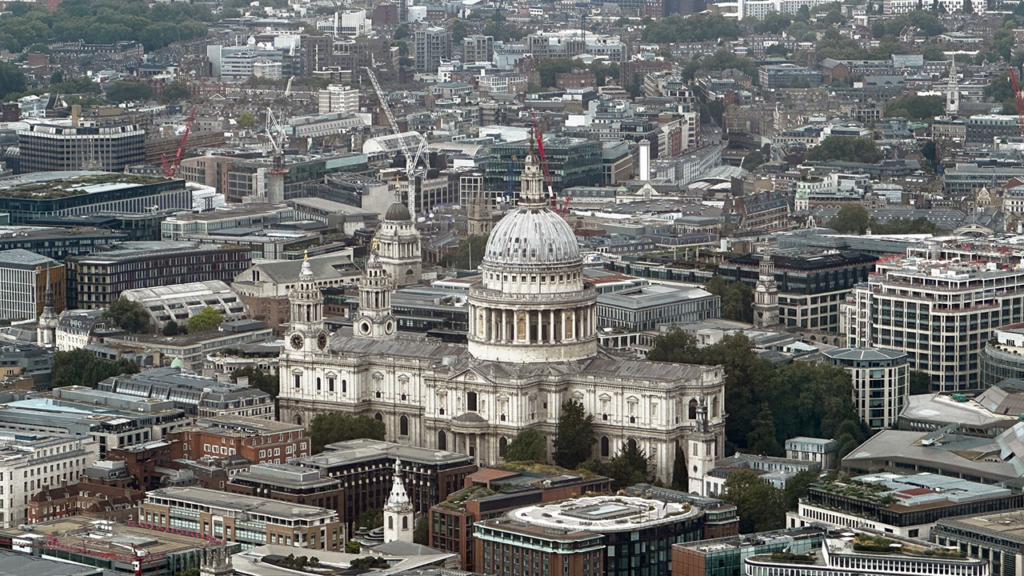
<point x="398" y="511"/>
<point x="531" y="195"/>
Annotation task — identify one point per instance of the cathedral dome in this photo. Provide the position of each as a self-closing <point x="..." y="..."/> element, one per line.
<point x="398" y="212"/>
<point x="530" y="236"/>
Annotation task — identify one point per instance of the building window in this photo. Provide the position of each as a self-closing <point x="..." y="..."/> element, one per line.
<point x="298" y="380"/>
<point x="318" y="384"/>
<point x="471" y="401"/>
<point x="405" y="522"/>
<point x="502" y="446"/>
<point x="442" y="440"/>
<point x="604" y="446"/>
<point x="692" y="413"/>
<point x="330" y="384"/>
<point x="403" y="426"/>
<point x="379" y="417"/>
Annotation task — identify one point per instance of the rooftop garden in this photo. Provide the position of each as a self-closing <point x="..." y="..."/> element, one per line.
<point x="790" y="557"/>
<point x="876" y="493"/>
<point x="881" y="545"/>
<point x="457" y="501"/>
<point x="72" y="187"/>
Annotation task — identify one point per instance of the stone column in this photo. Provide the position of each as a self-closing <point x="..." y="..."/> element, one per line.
<point x="504" y="326"/>
<point x="527" y="336"/>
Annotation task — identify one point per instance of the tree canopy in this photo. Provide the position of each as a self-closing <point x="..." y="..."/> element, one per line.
<point x="175" y="91"/>
<point x="574" y="440"/>
<point x="691" y="29"/>
<point x="851" y="219"/>
<point x="468" y="255"/>
<point x="916" y="107"/>
<point x="127" y="315"/>
<point x="266" y="382"/>
<point x="331" y="427"/>
<point x="80" y="367"/>
<point x="759" y="506"/>
<point x="737" y="298"/>
<point x="528" y="446"/>
<point x="121" y="92"/>
<point x="846" y="149"/>
<point x="721" y="60"/>
<point x="245" y="120"/>
<point x="12" y="80"/>
<point x="104" y="22"/>
<point x="207" y="319"/>
<point x="901" y="225"/>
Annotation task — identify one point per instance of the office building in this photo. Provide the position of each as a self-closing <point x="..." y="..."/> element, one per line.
<point x="247" y="520"/>
<point x="725" y="556"/>
<point x="571" y="162"/>
<point x="257" y="440"/>
<point x="775" y="76"/>
<point x="82" y="541"/>
<point x="593" y="535"/>
<point x="939" y="312"/>
<point x="54" y="146"/>
<point x="881" y="382"/>
<point x="997" y="539"/>
<point x="111" y="420"/>
<point x="903" y="505"/>
<point x="645" y="307"/>
<point x="772" y="470"/>
<point x="189" y="351"/>
<point x="365" y="467"/>
<point x="490" y="493"/>
<point x="106" y="491"/>
<point x="1001" y="358"/>
<point x="430" y="47"/>
<point x="96" y="280"/>
<point x="982" y="129"/>
<point x="60" y="194"/>
<point x="58" y="243"/>
<point x="28" y="462"/>
<point x="857" y="553"/>
<point x="179" y="302"/>
<point x="26" y="277"/>
<point x="821" y="450"/>
<point x="290" y="483"/>
<point x="810" y="286"/>
<point x="196" y="395"/>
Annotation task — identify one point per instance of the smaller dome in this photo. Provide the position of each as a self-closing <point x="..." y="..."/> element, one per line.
<point x="178" y="363"/>
<point x="398" y="212"/>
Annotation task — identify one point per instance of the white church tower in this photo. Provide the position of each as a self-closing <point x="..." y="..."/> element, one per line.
<point x="702" y="452"/>
<point x="953" y="92"/>
<point x="398" y="512"/>
<point x="46" y="331"/>
<point x="766" y="295"/>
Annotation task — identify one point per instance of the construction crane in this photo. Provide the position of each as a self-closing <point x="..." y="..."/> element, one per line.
<point x="411" y="159"/>
<point x="539" y="136"/>
<point x="1018" y="98"/>
<point x="278" y="140"/>
<point x="171" y="169"/>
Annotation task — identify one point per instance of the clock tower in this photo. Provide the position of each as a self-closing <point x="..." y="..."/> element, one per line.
<point x="306" y="332"/>
<point x="375" y="319"/>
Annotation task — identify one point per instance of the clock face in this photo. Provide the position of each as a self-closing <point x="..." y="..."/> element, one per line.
<point x="296" y="341"/>
<point x="321" y="340"/>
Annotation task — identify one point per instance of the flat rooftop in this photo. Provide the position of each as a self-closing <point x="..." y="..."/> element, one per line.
<point x="49" y="185"/>
<point x="366" y="450"/>
<point x="652" y="295"/>
<point x="1004" y="525"/>
<point x="104" y="537"/>
<point x="240" y="502"/>
<point x="604" y="514"/>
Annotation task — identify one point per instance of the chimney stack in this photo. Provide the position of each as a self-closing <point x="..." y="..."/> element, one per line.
<point x="76" y="114"/>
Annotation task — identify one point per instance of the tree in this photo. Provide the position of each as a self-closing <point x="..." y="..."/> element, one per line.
<point x="332" y="427"/>
<point x="920" y="382"/>
<point x="352" y="547"/>
<point x="421" y="533"/>
<point x="752" y="160"/>
<point x="171" y="328"/>
<point x="127" y="315"/>
<point x="629" y="467"/>
<point x="776" y="50"/>
<point x="458" y="31"/>
<point x="57" y="77"/>
<point x="999" y="88"/>
<point x="207" y="319"/>
<point x="121" y="92"/>
<point x="245" y="120"/>
<point x="371" y="518"/>
<point x="851" y="219"/>
<point x="737" y="298"/>
<point x="847" y="149"/>
<point x="574" y="440"/>
<point x="187" y="572"/>
<point x="761" y="439"/>
<point x="468" y="255"/>
<point x="12" y="80"/>
<point x="401" y="32"/>
<point x="266" y="382"/>
<point x="80" y="367"/>
<point x="175" y="91"/>
<point x="528" y="446"/>
<point x="760" y="506"/>
<point x="901" y="225"/>
<point x="680" y="476"/>
<point x="968" y="7"/>
<point x="691" y="29"/>
<point x="549" y="68"/>
<point x="796" y="487"/>
<point x="916" y="107"/>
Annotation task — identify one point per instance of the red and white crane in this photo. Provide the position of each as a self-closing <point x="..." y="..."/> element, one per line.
<point x="1018" y="98"/>
<point x="171" y="169"/>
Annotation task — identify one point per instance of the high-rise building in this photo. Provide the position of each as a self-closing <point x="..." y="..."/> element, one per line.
<point x="431" y="46"/>
<point x="477" y="48"/>
<point x="55" y="146"/>
<point x="27" y="278"/>
<point x="939" y="312"/>
<point x="337" y="98"/>
<point x="881" y="382"/>
<point x="571" y="162"/>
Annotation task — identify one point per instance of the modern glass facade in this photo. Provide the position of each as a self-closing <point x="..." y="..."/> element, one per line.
<point x="571" y="162"/>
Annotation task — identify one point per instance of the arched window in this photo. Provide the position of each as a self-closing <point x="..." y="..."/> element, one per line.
<point x="714" y="407"/>
<point x="471" y="401"/>
<point x="631" y="445"/>
<point x="442" y="440"/>
<point x="604" y="446"/>
<point x="379" y="416"/>
<point x="405" y="522"/>
<point x="692" y="414"/>
<point x="391" y="522"/>
<point x="502" y="446"/>
<point x="317" y="383"/>
<point x="344" y="386"/>
<point x="403" y="425"/>
<point x="298" y="419"/>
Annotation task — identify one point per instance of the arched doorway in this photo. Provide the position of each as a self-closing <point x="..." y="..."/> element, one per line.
<point x="442" y="440"/>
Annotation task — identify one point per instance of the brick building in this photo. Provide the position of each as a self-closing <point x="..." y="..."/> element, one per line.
<point x="259" y="441"/>
<point x="106" y="491"/>
<point x="290" y="483"/>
